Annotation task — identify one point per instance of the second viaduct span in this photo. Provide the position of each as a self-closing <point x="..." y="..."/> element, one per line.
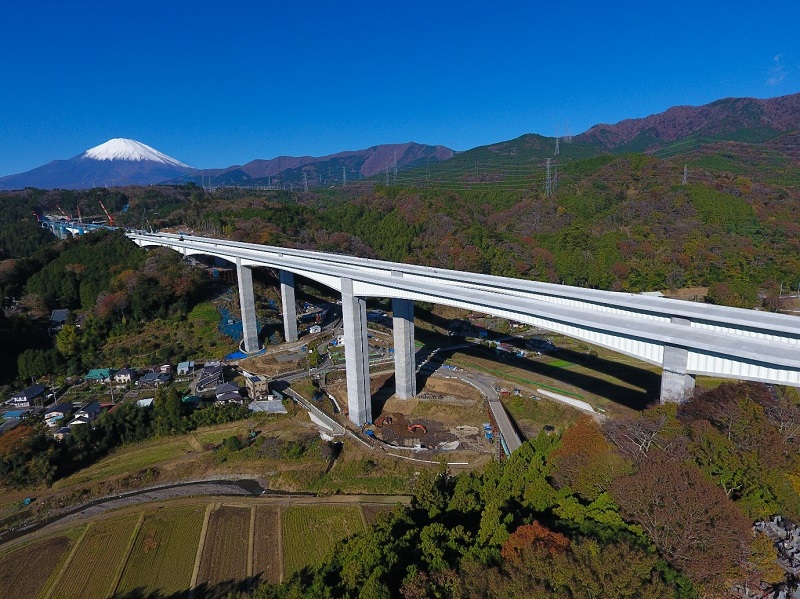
<point x="684" y="338"/>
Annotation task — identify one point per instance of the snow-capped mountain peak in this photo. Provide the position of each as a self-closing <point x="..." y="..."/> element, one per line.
<point x="130" y="149"/>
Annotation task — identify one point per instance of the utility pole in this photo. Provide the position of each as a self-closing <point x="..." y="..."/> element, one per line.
<point x="685" y="174"/>
<point x="344" y="177"/>
<point x="547" y="182"/>
<point x="557" y="148"/>
<point x="395" y="167"/>
<point x="555" y="179"/>
<point x="387" y="175"/>
<point x="305" y="181"/>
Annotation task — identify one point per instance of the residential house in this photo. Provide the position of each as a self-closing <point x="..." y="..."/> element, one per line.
<point x="59" y="317"/>
<point x="100" y="375"/>
<point x="27" y="397"/>
<point x="226" y="388"/>
<point x="185" y="368"/>
<point x="154" y="379"/>
<point x="78" y="420"/>
<point x="228" y="393"/>
<point x="164" y="369"/>
<point x="62" y="433"/>
<point x="257" y="386"/>
<point x="125" y="376"/>
<point x="57" y="412"/>
<point x="90" y="410"/>
<point x="209" y="378"/>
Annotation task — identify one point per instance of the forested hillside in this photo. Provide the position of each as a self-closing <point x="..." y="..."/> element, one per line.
<point x="656" y="505"/>
<point x="713" y="214"/>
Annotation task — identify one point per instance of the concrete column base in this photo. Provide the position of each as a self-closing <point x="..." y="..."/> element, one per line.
<point x="676" y="384"/>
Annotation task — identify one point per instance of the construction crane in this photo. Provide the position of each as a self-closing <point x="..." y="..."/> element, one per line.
<point x="66" y="216"/>
<point x="80" y="220"/>
<point x="110" y="218"/>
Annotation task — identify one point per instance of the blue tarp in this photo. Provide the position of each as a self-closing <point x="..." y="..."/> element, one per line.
<point x="232" y="326"/>
<point x="237" y="355"/>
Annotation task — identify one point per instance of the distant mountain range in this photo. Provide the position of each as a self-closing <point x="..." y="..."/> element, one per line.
<point x="335" y="168"/>
<point x="735" y="119"/>
<point x="117" y="162"/>
<point x="120" y="162"/>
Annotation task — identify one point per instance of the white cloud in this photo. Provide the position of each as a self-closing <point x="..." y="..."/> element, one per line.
<point x="777" y="72"/>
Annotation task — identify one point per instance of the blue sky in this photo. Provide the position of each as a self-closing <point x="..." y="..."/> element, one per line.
<point x="214" y="84"/>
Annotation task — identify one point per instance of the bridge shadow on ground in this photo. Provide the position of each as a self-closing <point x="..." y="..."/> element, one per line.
<point x="205" y="590"/>
<point x="601" y="380"/>
<point x="381" y="395"/>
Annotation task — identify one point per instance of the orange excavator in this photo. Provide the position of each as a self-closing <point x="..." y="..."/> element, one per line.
<point x="417" y="428"/>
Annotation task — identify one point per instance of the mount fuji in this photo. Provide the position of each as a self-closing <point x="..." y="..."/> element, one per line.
<point x="115" y="163"/>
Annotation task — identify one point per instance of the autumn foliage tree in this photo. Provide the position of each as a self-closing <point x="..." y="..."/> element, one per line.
<point x="585" y="461"/>
<point x="690" y="519"/>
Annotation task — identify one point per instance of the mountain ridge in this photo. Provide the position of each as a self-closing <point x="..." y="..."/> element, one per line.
<point x="716" y="119"/>
<point x="728" y="119"/>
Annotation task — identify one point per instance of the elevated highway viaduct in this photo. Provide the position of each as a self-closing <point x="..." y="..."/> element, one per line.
<point x="684" y="338"/>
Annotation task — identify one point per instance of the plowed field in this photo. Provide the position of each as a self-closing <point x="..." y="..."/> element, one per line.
<point x="225" y="550"/>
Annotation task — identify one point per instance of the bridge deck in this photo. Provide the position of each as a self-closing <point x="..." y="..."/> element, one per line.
<point x="504" y="424"/>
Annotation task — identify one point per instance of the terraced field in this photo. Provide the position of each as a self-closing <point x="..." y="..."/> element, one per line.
<point x="226" y="548"/>
<point x="95" y="566"/>
<point x="309" y="532"/>
<point x="163" y="555"/>
<point x="267" y="555"/>
<point x="19" y="580"/>
<point x="167" y="549"/>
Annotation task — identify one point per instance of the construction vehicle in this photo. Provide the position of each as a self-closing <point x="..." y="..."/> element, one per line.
<point x="383" y="420"/>
<point x="417" y="427"/>
<point x="66" y="216"/>
<point x="110" y="218"/>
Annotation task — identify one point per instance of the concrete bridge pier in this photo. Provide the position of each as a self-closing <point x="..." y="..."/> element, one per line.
<point x="405" y="366"/>
<point x="676" y="384"/>
<point x="244" y="275"/>
<point x="356" y="355"/>
<point x="288" y="306"/>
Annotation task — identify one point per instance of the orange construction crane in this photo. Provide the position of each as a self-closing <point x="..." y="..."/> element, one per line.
<point x="66" y="216"/>
<point x="110" y="218"/>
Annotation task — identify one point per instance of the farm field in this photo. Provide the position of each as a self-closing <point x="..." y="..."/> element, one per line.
<point x="309" y="532"/>
<point x="209" y="545"/>
<point x="94" y="567"/>
<point x="162" y="557"/>
<point x="225" y="551"/>
<point x="19" y="580"/>
<point x="266" y="550"/>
